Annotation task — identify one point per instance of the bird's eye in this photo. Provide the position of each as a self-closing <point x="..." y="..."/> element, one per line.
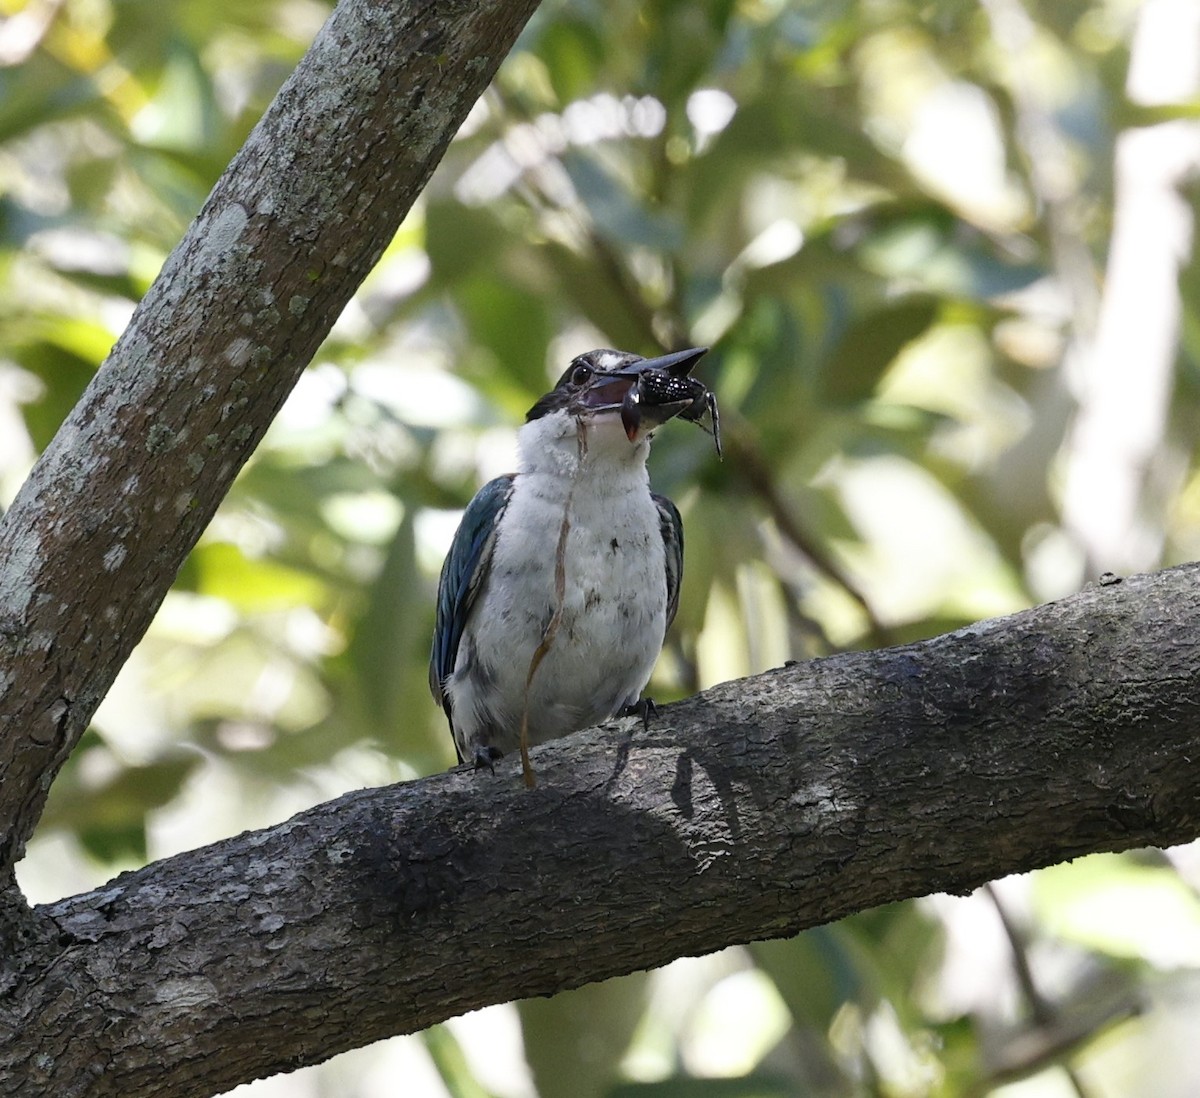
<point x="580" y="375"/>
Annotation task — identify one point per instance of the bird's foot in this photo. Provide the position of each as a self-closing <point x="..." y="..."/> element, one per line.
<point x="483" y="758"/>
<point x="644" y="708"/>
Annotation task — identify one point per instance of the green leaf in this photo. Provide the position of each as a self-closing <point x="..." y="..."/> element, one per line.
<point x="619" y="214"/>
<point x="65" y="375"/>
<point x="460" y="241"/>
<point x="451" y="1063"/>
<point x="590" y="290"/>
<point x="871" y="345"/>
<point x="253" y="585"/>
<point x="516" y="326"/>
<point x="42" y="91"/>
<point x="1110" y="903"/>
<point x="815" y="973"/>
<point x="385" y="666"/>
<point x="573" y="54"/>
<point x="109" y="816"/>
<point x="574" y="1041"/>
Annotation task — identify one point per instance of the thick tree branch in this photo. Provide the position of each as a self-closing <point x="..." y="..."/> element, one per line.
<point x="97" y="534"/>
<point x="753" y="810"/>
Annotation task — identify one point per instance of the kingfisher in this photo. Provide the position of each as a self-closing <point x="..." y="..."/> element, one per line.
<point x="563" y="577"/>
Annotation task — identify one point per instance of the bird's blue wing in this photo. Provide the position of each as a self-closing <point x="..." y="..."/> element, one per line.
<point x="671" y="526"/>
<point x="462" y="576"/>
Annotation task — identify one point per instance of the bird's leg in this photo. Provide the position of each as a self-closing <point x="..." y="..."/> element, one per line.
<point x="644" y="708"/>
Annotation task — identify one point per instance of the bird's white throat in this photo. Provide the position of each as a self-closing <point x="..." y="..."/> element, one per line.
<point x="561" y="445"/>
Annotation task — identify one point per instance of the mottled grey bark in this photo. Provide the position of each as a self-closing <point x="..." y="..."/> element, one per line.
<point x="753" y="810"/>
<point x="93" y="541"/>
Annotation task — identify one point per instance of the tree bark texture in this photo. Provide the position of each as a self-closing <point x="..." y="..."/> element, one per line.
<point x="97" y="534"/>
<point x="753" y="810"/>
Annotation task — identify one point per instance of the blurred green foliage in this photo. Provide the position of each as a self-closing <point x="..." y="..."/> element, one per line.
<point x="846" y="201"/>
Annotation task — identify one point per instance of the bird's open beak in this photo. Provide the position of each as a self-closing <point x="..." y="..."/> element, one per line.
<point x="649" y="392"/>
<point x="609" y="392"/>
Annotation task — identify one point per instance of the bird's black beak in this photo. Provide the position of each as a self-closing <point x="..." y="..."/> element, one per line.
<point x="676" y="364"/>
<point x="610" y="391"/>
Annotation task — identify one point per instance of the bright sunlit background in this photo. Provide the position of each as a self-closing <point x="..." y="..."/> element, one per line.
<point x="943" y="252"/>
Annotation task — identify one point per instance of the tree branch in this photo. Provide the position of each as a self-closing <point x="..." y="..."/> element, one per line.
<point x="97" y="534"/>
<point x="750" y="811"/>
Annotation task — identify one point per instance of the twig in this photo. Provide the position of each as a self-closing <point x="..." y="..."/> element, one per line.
<point x="753" y="468"/>
<point x="1044" y="1015"/>
<point x="560" y="594"/>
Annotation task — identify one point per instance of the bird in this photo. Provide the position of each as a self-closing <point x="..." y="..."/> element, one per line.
<point x="563" y="577"/>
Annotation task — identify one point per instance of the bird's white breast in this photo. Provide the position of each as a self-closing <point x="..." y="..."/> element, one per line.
<point x="613" y="597"/>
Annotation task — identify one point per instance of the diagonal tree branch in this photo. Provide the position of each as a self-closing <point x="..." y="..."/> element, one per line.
<point x="753" y="810"/>
<point x="97" y="534"/>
